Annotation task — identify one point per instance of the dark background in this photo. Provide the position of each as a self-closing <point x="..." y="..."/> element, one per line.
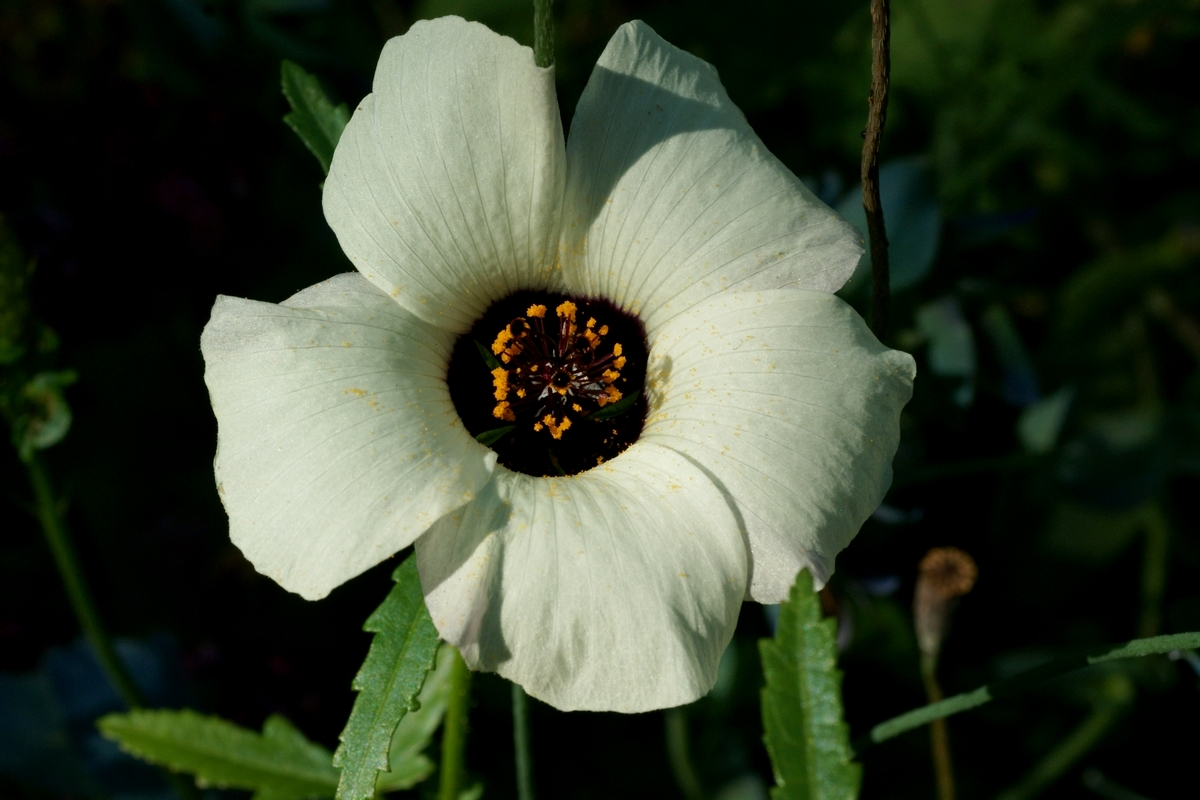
<point x="1044" y="161"/>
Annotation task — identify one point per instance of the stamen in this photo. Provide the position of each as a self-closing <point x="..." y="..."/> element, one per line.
<point x="554" y="375"/>
<point x="556" y="428"/>
<point x="502" y="339"/>
<point x="500" y="381"/>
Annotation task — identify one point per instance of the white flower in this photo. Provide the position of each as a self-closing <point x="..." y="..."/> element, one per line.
<point x="773" y="412"/>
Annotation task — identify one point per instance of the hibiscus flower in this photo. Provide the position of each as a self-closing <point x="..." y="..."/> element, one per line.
<point x="518" y="287"/>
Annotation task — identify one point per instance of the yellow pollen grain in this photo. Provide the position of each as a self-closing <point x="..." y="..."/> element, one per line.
<point x="502" y="340"/>
<point x="604" y="330"/>
<point x="576" y="407"/>
<point x="500" y="381"/>
<point x="537" y="426"/>
<point x="610" y="375"/>
<point x="617" y="349"/>
<point x="592" y="339"/>
<point x="536" y="310"/>
<point x="612" y="393"/>
<point x="557" y="428"/>
<point x="591" y="323"/>
<point x="566" y="310"/>
<point x="620" y="363"/>
<point x="599" y="460"/>
<point x="502" y="411"/>
<point x="521" y="393"/>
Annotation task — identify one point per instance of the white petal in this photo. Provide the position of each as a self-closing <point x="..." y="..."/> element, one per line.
<point x="615" y="589"/>
<point x="671" y="197"/>
<point x="446" y="187"/>
<point x="793" y="406"/>
<point x="337" y="441"/>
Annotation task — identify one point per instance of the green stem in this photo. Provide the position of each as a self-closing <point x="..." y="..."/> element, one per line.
<point x="939" y="735"/>
<point x="1154" y="570"/>
<point x="50" y="516"/>
<point x="543" y="33"/>
<point x="82" y="603"/>
<point x="1081" y="741"/>
<point x="454" y="734"/>
<point x="1025" y="680"/>
<point x="678" y="753"/>
<point x="520" y="703"/>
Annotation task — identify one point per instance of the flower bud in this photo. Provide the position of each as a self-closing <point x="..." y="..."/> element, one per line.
<point x="945" y="574"/>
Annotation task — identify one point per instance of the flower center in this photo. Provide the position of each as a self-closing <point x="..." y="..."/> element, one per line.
<point x="552" y="384"/>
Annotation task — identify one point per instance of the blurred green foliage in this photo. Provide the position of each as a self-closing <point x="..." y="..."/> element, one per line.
<point x="1052" y="149"/>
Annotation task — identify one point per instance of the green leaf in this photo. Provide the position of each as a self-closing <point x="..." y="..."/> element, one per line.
<point x="314" y="118"/>
<point x="806" y="737"/>
<point x="488" y="357"/>
<point x="278" y="764"/>
<point x="388" y="683"/>
<point x="409" y="766"/>
<point x="494" y="435"/>
<point x="618" y="408"/>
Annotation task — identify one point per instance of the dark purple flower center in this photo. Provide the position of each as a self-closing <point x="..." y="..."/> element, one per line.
<point x="551" y="383"/>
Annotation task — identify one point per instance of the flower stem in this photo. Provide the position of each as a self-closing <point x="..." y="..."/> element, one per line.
<point x="1025" y="680"/>
<point x="543" y="33"/>
<point x="50" y="516"/>
<point x="520" y="704"/>
<point x="678" y="753"/>
<point x="876" y="116"/>
<point x="454" y="734"/>
<point x="939" y="737"/>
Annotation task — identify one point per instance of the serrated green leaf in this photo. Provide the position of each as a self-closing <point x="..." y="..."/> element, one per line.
<point x="618" y="408"/>
<point x="489" y="438"/>
<point x="391" y="677"/>
<point x="314" y="118"/>
<point x="278" y="764"/>
<point x="409" y="766"/>
<point x="489" y="358"/>
<point x="806" y="737"/>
